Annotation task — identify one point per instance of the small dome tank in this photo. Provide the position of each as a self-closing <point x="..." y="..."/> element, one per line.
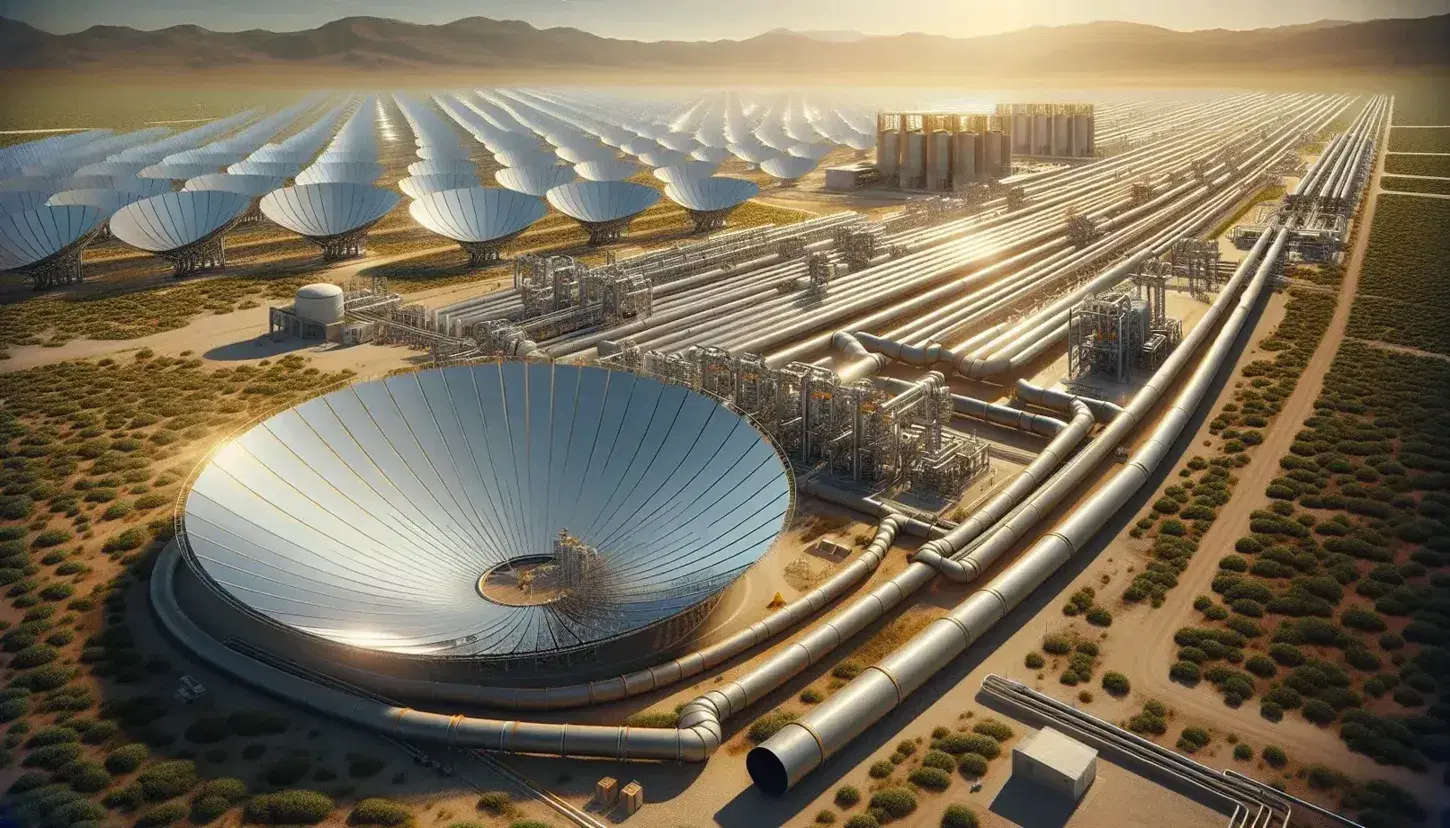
<point x="321" y="303"/>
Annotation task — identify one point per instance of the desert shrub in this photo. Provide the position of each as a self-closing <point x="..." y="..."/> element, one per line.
<point x="896" y="802"/>
<point x="230" y="788"/>
<point x="1057" y="644"/>
<point x="164" y="780"/>
<point x="1260" y="665"/>
<point x="1099" y="617"/>
<point x="972" y="765"/>
<point x="1184" y="671"/>
<point x="653" y="718"/>
<point x="163" y="814"/>
<point x="992" y="727"/>
<point x="1034" y="661"/>
<point x="959" y="816"/>
<point x="933" y="779"/>
<point x="1275" y="756"/>
<point x="1116" y="683"/>
<point x="1243" y="753"/>
<point x="205" y="809"/>
<point x="770" y="724"/>
<point x="811" y="695"/>
<point x="1362" y="619"/>
<point x="847" y="796"/>
<point x="498" y="803"/>
<point x="51" y="757"/>
<point x="939" y="760"/>
<point x="127" y="758"/>
<point x="88" y="777"/>
<point x="863" y="821"/>
<point x="881" y="770"/>
<point x="378" y="811"/>
<point x="34" y="656"/>
<point x="847" y="669"/>
<point x="288" y="807"/>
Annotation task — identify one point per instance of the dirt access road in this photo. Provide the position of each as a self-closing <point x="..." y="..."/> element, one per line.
<point x="1149" y="665"/>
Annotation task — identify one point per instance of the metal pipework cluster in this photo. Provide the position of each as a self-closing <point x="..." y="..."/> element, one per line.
<point x="1008" y="348"/>
<point x="803" y="745"/>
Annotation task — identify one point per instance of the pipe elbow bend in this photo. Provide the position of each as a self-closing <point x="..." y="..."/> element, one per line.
<point x="946" y="567"/>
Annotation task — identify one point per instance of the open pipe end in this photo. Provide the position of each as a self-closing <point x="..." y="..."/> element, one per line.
<point x="767" y="771"/>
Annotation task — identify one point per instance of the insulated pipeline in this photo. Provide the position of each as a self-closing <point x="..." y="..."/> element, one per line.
<point x="803" y="745"/>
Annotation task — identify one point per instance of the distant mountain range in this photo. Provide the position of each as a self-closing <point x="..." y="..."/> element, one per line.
<point x="368" y="43"/>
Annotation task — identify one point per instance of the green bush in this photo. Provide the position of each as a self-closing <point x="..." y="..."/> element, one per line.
<point x="230" y="788"/>
<point x="811" y="695"/>
<point x="1099" y="617"/>
<point x="1275" y="756"/>
<point x="1057" y="644"/>
<point x="847" y="796"/>
<point x="35" y="655"/>
<point x="127" y="796"/>
<point x="959" y="816"/>
<point x="1034" y="661"/>
<point x="862" y="821"/>
<point x="165" y="780"/>
<point x="88" y="777"/>
<point x="939" y="760"/>
<point x="378" y="811"/>
<point x="770" y="724"/>
<point x="205" y="809"/>
<point x="51" y="757"/>
<point x="1116" y="683"/>
<point x="933" y="779"/>
<point x="881" y="770"/>
<point x="994" y="728"/>
<point x="1243" y="753"/>
<point x="896" y="802"/>
<point x="973" y="765"/>
<point x="288" y="807"/>
<point x="847" y="670"/>
<point x="163" y="814"/>
<point x="498" y="803"/>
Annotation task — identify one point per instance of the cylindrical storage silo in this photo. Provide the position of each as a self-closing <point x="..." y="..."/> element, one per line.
<point x="1080" y="131"/>
<point x="1006" y="141"/>
<point x="1061" y="141"/>
<point x="964" y="159"/>
<point x="940" y="173"/>
<point x="1041" y="135"/>
<point x="993" y="141"/>
<point x="984" y="170"/>
<point x="321" y="303"/>
<point x="1092" y="136"/>
<point x="886" y="153"/>
<point x="913" y="165"/>
<point x="1021" y="134"/>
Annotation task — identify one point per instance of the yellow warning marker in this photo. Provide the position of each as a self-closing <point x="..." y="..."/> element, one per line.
<point x="776" y="603"/>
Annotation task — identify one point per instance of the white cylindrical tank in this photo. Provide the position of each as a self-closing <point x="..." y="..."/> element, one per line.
<point x="1041" y="135"/>
<point x="941" y="160"/>
<point x="1021" y="134"/>
<point x="1061" y="140"/>
<point x="913" y="167"/>
<point x="993" y="140"/>
<point x="964" y="159"/>
<point x="886" y="149"/>
<point x="1080" y="136"/>
<point x="321" y="303"/>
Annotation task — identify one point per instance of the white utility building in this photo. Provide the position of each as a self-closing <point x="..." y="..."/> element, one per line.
<point x="1056" y="761"/>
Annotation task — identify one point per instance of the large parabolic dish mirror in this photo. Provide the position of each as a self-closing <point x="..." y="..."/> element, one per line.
<point x="502" y="510"/>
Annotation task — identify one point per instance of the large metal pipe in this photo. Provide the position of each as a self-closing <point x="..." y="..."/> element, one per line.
<point x="803" y="745"/>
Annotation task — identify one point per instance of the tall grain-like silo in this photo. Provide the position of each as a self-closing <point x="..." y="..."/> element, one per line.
<point x="939" y="171"/>
<point x="964" y="158"/>
<point x="1061" y="139"/>
<point x="888" y="150"/>
<point x="1021" y="133"/>
<point x="994" y="145"/>
<point x="1005" y="141"/>
<point x="913" y="165"/>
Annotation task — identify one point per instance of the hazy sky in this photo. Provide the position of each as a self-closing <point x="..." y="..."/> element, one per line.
<point x="713" y="19"/>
